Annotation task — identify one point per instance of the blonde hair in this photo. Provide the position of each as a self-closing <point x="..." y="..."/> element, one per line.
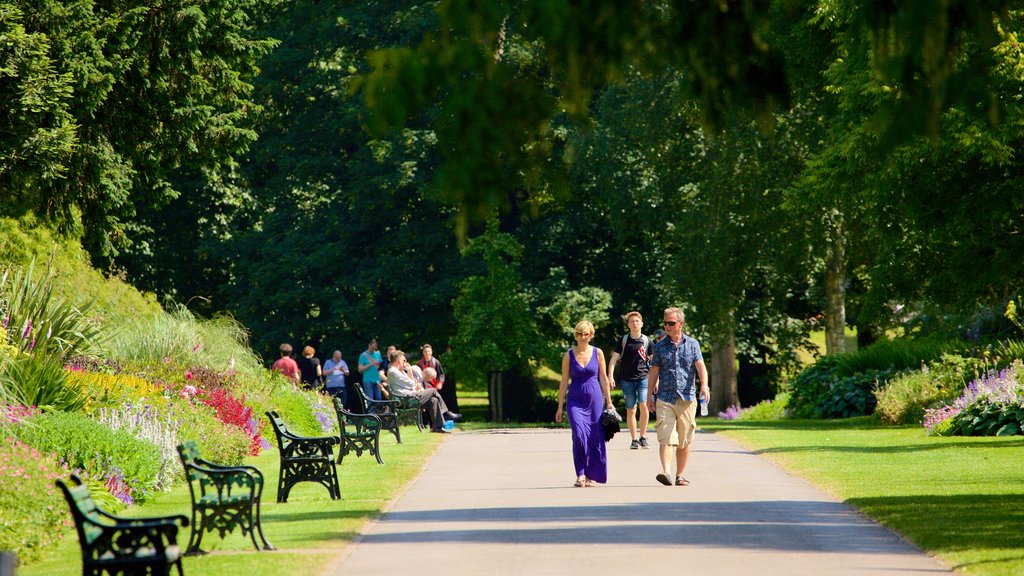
<point x="678" y="312"/>
<point x="584" y="326"/>
<point x="632" y="313"/>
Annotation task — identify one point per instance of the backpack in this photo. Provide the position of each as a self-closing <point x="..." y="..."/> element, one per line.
<point x="646" y="343"/>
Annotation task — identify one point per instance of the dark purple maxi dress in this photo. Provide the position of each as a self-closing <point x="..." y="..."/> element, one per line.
<point x="584" y="405"/>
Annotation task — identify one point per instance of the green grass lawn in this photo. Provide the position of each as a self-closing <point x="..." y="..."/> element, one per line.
<point x="309" y="531"/>
<point x="961" y="498"/>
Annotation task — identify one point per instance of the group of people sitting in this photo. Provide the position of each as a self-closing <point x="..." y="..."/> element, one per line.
<point x="381" y="378"/>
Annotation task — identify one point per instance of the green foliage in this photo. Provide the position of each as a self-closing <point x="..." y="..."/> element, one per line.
<point x="179" y="336"/>
<point x="985" y="417"/>
<point x="39" y="321"/>
<point x="810" y="387"/>
<point x="853" y="395"/>
<point x="40" y="381"/>
<point x="905" y="398"/>
<point x="774" y="409"/>
<point x="98" y="451"/>
<point x="496" y="328"/>
<point x="900" y="354"/>
<point x="29" y="525"/>
<point x="86" y="156"/>
<point x="220" y="443"/>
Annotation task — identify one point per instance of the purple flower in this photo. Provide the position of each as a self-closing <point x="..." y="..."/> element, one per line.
<point x="730" y="413"/>
<point x="27" y="330"/>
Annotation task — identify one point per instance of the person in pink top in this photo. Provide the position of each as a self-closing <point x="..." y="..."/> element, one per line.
<point x="285" y="365"/>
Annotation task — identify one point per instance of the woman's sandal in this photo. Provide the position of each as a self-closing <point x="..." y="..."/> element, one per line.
<point x="579" y="483"/>
<point x="590" y="483"/>
<point x="680" y="481"/>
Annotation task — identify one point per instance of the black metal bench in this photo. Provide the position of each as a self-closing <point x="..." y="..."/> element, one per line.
<point x="359" y="432"/>
<point x="387" y="410"/>
<point x="223" y="498"/>
<point x="304" y="459"/>
<point x="409" y="409"/>
<point x="114" y="545"/>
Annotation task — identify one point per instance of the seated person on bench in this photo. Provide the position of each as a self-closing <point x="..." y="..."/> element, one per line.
<point x="402" y="383"/>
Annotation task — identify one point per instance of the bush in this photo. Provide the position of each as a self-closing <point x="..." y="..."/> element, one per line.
<point x="219" y="443"/>
<point x="853" y="395"/>
<point x="989" y="406"/>
<point x="902" y="354"/>
<point x="811" y="387"/>
<point x="767" y="410"/>
<point x="905" y="399"/>
<point x="39" y="380"/>
<point x="145" y="422"/>
<point x="29" y="525"/>
<point x="129" y="466"/>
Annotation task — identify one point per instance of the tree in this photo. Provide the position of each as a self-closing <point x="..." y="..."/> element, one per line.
<point x="497" y="121"/>
<point x="496" y="334"/>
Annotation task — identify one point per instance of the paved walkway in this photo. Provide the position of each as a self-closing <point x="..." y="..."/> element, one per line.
<point x="501" y="502"/>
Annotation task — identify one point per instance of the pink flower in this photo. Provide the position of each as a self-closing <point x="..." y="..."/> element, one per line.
<point x="188" y="375"/>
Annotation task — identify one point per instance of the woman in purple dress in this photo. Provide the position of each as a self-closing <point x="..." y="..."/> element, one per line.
<point x="585" y="386"/>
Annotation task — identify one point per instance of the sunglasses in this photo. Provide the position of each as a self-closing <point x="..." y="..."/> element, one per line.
<point x="670" y="323"/>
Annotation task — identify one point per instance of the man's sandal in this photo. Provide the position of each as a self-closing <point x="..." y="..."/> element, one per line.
<point x="680" y="481"/>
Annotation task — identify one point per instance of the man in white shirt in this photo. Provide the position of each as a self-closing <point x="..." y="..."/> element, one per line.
<point x="402" y="383"/>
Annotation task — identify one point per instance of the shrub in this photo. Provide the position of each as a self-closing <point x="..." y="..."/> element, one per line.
<point x="220" y="443"/>
<point x="767" y="410"/>
<point x="36" y="319"/>
<point x="29" y="525"/>
<point x="853" y="395"/>
<point x="991" y="405"/>
<point x="127" y="464"/>
<point x="112" y="390"/>
<point x="39" y="380"/>
<point x="901" y="354"/>
<point x="811" y="386"/>
<point x="145" y="422"/>
<point x="905" y="399"/>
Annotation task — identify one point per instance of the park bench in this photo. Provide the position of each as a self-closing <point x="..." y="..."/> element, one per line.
<point x="359" y="432"/>
<point x="409" y="409"/>
<point x="304" y="459"/>
<point x="114" y="545"/>
<point x="387" y="410"/>
<point x="223" y="498"/>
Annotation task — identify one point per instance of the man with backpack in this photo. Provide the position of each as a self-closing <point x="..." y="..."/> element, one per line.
<point x="634" y="349"/>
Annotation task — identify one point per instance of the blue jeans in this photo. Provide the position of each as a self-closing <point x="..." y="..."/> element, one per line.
<point x="634" y="391"/>
<point x="372" y="390"/>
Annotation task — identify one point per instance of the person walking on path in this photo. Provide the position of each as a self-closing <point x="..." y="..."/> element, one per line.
<point x="675" y="365"/>
<point x="369" y="367"/>
<point x="635" y="351"/>
<point x="585" y="385"/>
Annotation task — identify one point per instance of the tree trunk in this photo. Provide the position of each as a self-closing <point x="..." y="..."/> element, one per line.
<point x="723" y="375"/>
<point x="835" y="291"/>
<point x="495" y="390"/>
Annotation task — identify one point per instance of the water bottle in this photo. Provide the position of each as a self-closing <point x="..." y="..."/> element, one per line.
<point x="449" y="425"/>
<point x="703" y="407"/>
